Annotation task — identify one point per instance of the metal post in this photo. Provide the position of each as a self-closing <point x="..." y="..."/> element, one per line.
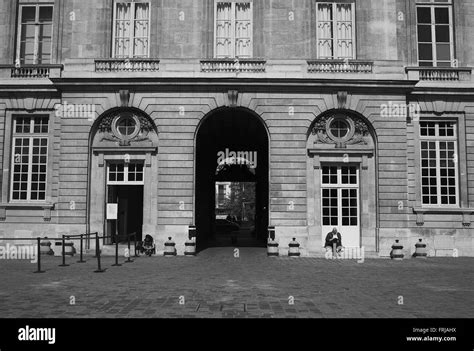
<point x="97" y="254"/>
<point x="80" y="259"/>
<point x="116" y="264"/>
<point x="129" y="253"/>
<point x="64" y="254"/>
<point x="135" y="244"/>
<point x="38" y="256"/>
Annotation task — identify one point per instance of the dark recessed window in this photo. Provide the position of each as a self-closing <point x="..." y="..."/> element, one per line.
<point x="435" y="33"/>
<point x="126" y="126"/>
<point x="29" y="158"/>
<point x="339" y="128"/>
<point x="439" y="163"/>
<point x="35" y="33"/>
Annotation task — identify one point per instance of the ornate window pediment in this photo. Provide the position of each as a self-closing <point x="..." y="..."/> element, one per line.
<point x="342" y="130"/>
<point x="125" y="128"/>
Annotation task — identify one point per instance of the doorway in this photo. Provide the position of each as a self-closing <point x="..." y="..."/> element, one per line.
<point x="235" y="213"/>
<point x="340" y="203"/>
<point x="129" y="200"/>
<point x="232" y="150"/>
<point x="124" y="202"/>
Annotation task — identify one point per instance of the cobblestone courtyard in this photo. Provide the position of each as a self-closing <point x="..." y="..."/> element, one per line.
<point x="216" y="284"/>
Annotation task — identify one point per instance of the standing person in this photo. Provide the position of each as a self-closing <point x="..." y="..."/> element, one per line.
<point x="333" y="239"/>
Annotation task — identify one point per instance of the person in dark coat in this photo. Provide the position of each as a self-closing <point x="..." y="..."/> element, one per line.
<point x="333" y="238"/>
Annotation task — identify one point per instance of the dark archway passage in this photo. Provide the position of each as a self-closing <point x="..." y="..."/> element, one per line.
<point x="223" y="132"/>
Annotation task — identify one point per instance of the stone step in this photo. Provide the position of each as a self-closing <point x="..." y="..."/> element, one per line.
<point x="109" y="250"/>
<point x="367" y="254"/>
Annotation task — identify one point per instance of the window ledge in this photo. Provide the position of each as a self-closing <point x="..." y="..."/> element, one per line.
<point x="465" y="212"/>
<point x="340" y="66"/>
<point x="230" y="65"/>
<point x="45" y="206"/>
<point x="33" y="71"/>
<point x="334" y="150"/>
<point x="124" y="150"/>
<point x="127" y="65"/>
<point x="439" y="73"/>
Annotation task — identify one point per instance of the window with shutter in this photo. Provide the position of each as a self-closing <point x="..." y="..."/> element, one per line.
<point x="335" y="30"/>
<point x="35" y="33"/>
<point x="233" y="29"/>
<point x="131" y="30"/>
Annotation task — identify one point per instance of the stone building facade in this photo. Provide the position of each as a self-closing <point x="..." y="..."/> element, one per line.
<point x="361" y="113"/>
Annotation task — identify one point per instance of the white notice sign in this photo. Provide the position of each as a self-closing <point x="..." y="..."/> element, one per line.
<point x="112" y="210"/>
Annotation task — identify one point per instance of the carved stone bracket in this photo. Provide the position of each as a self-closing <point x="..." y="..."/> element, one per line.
<point x="466" y="219"/>
<point x="101" y="161"/>
<point x="232" y="98"/>
<point x="148" y="160"/>
<point x="316" y="162"/>
<point x="124" y="98"/>
<point x="365" y="162"/>
<point x="465" y="212"/>
<point x="420" y="220"/>
<point x="47" y="209"/>
<point x="47" y="213"/>
<point x="341" y="99"/>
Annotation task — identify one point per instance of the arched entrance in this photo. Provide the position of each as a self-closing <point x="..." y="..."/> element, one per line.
<point x="232" y="179"/>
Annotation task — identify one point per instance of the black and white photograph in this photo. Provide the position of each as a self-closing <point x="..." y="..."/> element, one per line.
<point x="308" y="163"/>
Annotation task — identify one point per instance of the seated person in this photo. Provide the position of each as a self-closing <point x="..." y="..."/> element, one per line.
<point x="333" y="239"/>
<point x="147" y="246"/>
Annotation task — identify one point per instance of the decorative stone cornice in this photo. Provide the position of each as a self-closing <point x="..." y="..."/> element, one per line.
<point x="107" y="127"/>
<point x="357" y="131"/>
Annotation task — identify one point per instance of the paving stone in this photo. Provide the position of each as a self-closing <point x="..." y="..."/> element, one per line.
<point x="217" y="285"/>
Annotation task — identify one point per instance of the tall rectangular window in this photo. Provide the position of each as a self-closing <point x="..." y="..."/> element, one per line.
<point x="233" y="29"/>
<point x="335" y="23"/>
<point x="439" y="159"/>
<point x="35" y="32"/>
<point x="131" y="31"/>
<point x="435" y="33"/>
<point x="29" y="158"/>
<point x="340" y="189"/>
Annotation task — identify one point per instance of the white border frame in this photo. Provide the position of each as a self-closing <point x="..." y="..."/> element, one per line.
<point x="354" y="39"/>
<point x="432" y="6"/>
<point x="233" y="20"/>
<point x="36" y="44"/>
<point x="30" y="136"/>
<point x="437" y="139"/>
<point x="132" y="24"/>
<point x="339" y="186"/>
<point x="125" y="172"/>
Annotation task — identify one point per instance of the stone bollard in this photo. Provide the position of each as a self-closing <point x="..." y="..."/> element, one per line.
<point x="45" y="247"/>
<point x="69" y="249"/>
<point x="272" y="248"/>
<point x="397" y="253"/>
<point x="294" y="250"/>
<point x="170" y="248"/>
<point x="190" y="248"/>
<point x="420" y="250"/>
